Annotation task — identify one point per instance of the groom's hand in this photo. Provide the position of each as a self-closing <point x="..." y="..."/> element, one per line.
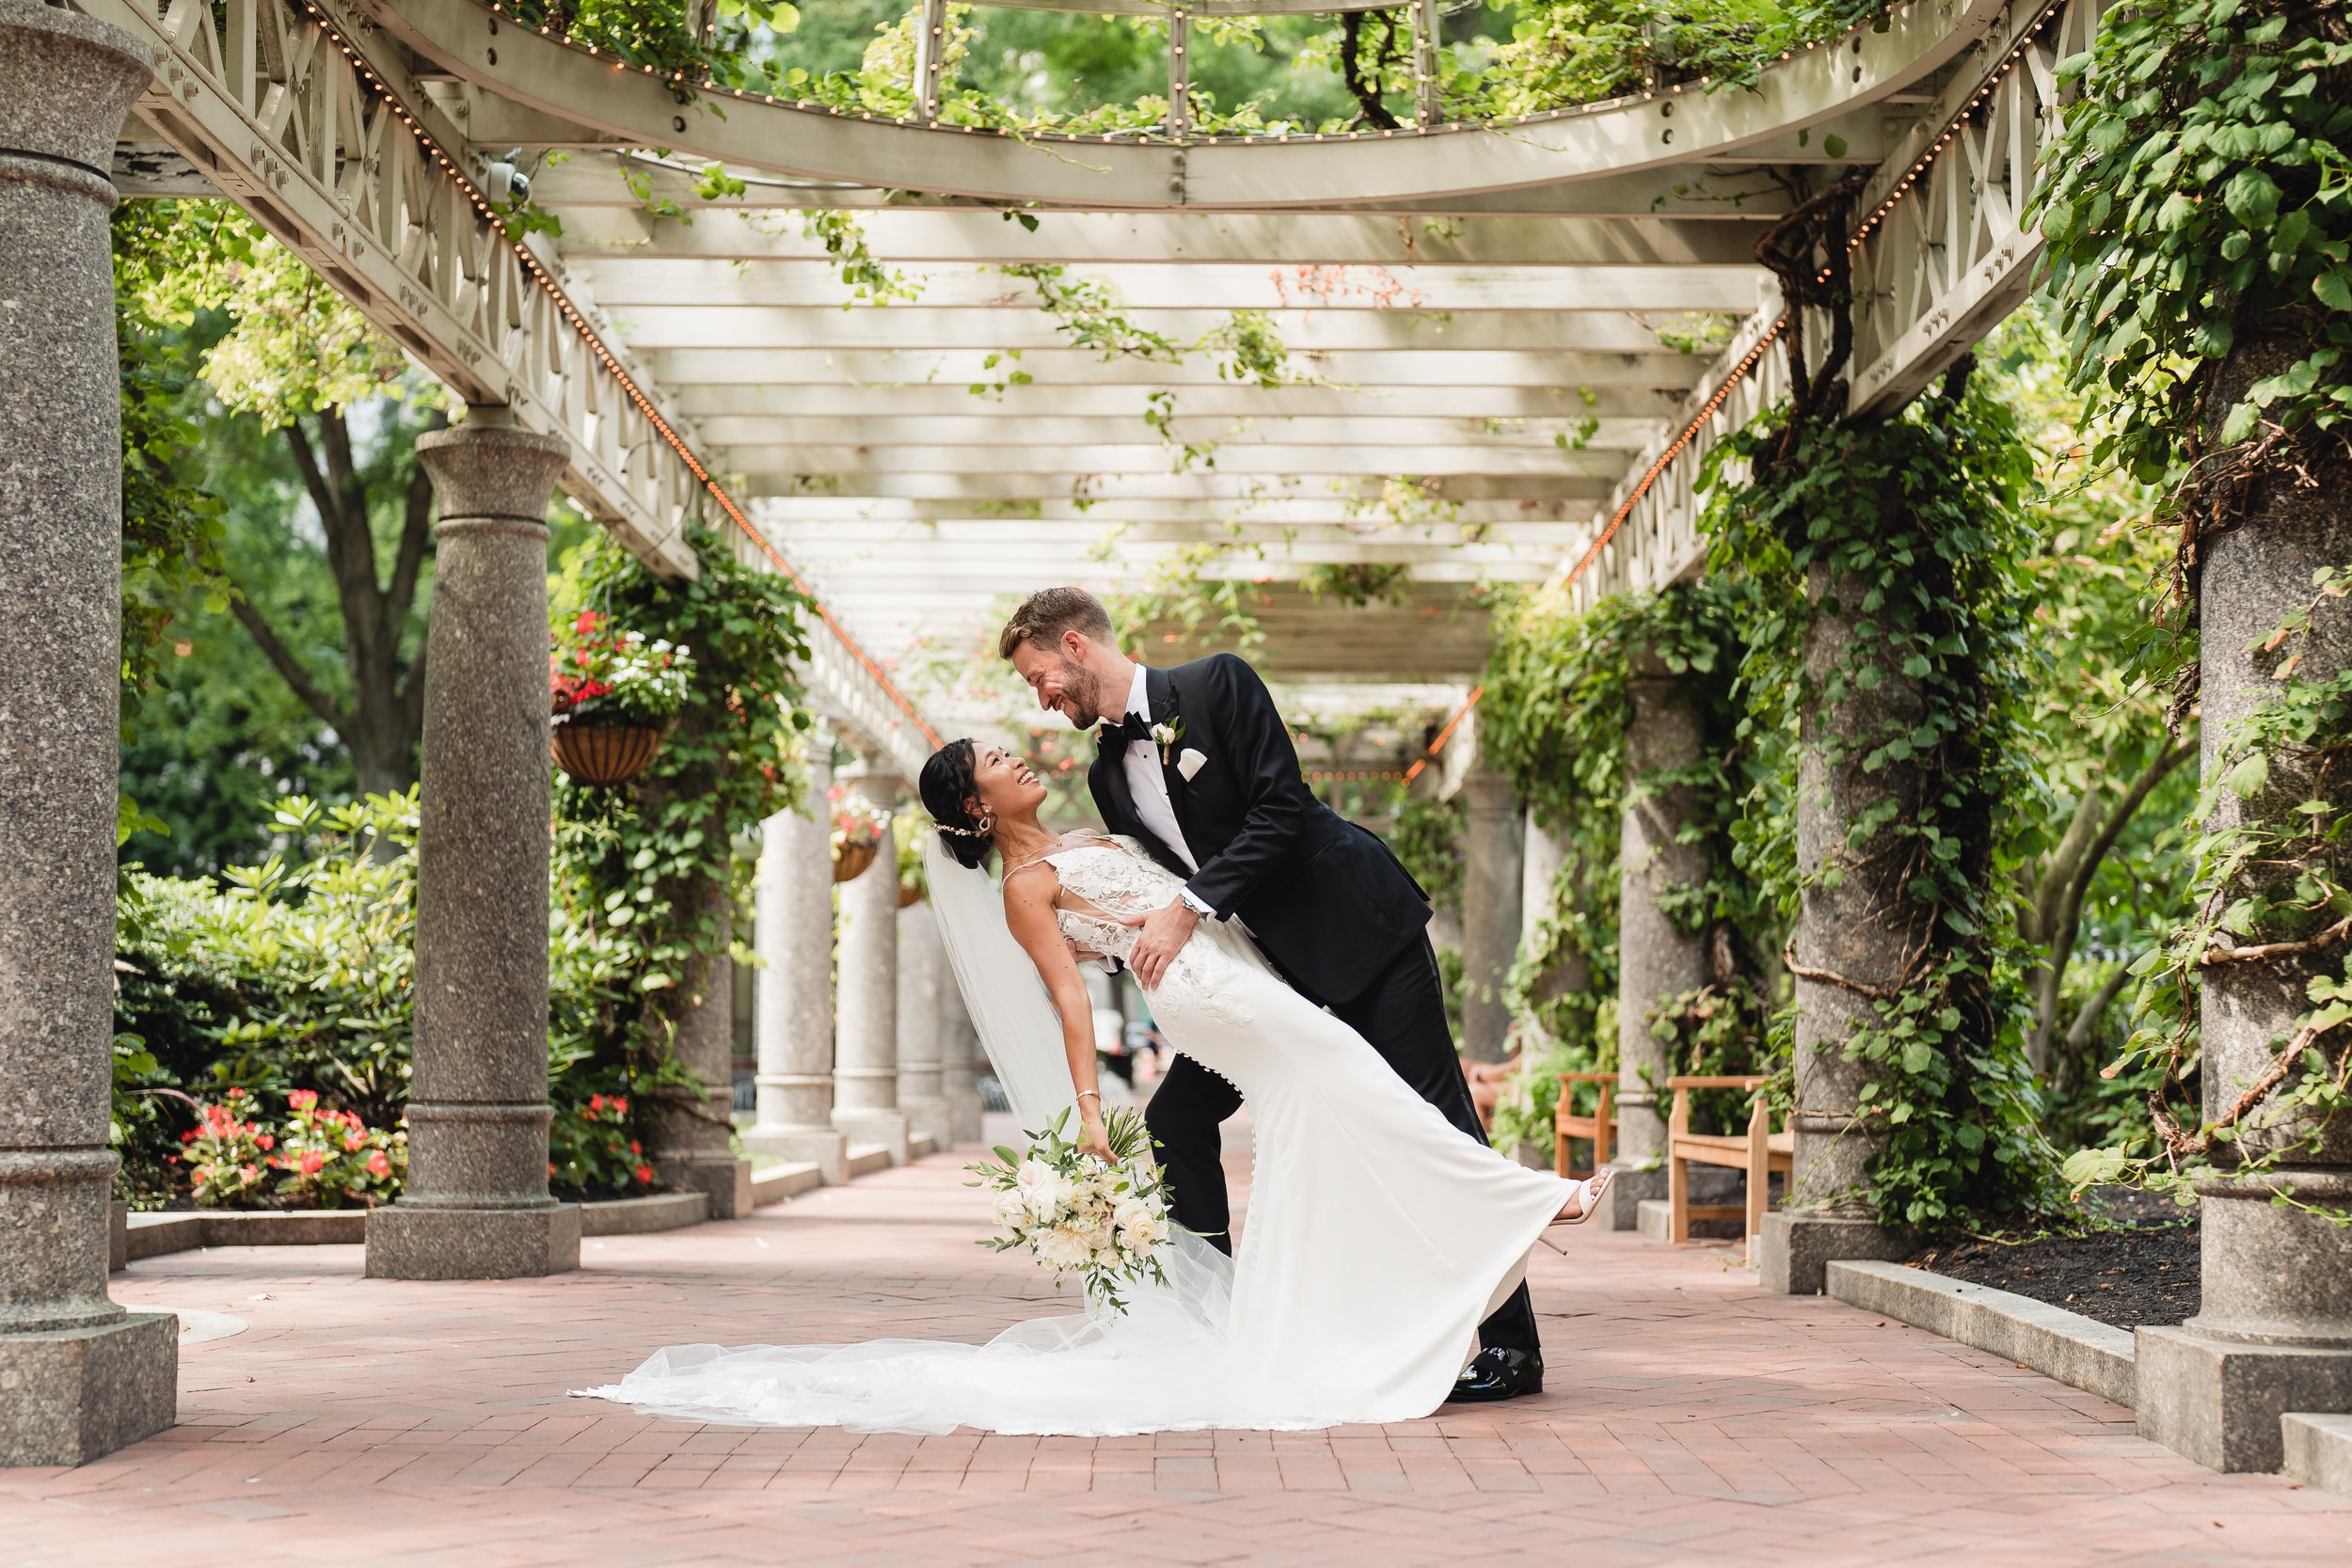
<point x="1164" y="933"/>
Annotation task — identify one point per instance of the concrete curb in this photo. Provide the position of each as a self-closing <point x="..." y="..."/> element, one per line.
<point x="643" y="1216"/>
<point x="789" y="1179"/>
<point x="2319" y="1451"/>
<point x="2058" y="1343"/>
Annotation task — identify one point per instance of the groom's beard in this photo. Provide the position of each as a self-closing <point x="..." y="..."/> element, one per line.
<point x="1083" y="688"/>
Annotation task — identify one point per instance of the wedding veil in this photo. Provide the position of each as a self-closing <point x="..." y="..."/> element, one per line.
<point x="1010" y="1008"/>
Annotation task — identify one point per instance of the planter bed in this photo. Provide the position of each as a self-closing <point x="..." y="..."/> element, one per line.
<point x="2146" y="1271"/>
<point x="152" y="1235"/>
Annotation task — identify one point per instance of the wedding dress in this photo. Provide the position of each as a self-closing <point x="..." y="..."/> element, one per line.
<point x="1377" y="1235"/>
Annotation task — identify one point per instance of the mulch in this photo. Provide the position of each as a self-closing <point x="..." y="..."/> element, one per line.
<point x="2138" y="1263"/>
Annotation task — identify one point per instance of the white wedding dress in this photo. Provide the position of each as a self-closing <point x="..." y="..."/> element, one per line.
<point x="1377" y="1237"/>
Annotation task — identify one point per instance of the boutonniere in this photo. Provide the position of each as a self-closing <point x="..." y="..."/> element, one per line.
<point x="1166" y="733"/>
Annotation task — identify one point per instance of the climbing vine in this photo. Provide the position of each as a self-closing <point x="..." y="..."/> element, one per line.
<point x="2199" y="219"/>
<point x="651" y="868"/>
<point x="1911" y="533"/>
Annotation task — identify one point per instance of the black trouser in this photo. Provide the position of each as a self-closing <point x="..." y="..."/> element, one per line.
<point x="1403" y="1015"/>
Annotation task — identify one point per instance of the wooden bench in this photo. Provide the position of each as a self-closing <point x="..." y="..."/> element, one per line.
<point x="1759" y="1152"/>
<point x="1601" y="1127"/>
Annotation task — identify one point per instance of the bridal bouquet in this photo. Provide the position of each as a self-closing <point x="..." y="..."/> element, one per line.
<point x="1104" y="1223"/>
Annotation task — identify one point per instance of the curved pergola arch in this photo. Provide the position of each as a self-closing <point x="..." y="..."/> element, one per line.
<point x="571" y="95"/>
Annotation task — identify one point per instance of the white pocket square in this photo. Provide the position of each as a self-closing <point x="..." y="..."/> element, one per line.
<point x="1189" y="762"/>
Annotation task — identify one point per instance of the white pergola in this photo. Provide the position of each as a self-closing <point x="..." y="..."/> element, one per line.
<point x="1481" y="385"/>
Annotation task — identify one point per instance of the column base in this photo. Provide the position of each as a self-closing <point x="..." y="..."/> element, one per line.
<point x="964" y="1110"/>
<point x="726" y="1179"/>
<point x="886" y="1128"/>
<point x="927" y="1116"/>
<point x="1621" y="1205"/>
<point x="78" y="1394"/>
<point x="823" y="1147"/>
<point x="2219" y="1402"/>
<point x="1794" y="1252"/>
<point x="407" y="1243"/>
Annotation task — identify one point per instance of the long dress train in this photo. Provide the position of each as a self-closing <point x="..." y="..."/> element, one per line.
<point x="1378" y="1237"/>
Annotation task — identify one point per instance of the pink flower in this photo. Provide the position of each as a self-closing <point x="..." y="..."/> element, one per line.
<point x="250" y="1173"/>
<point x="236" y="1094"/>
<point x="353" y="1141"/>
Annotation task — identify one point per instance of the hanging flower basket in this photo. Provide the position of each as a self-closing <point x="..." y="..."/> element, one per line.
<point x="858" y="826"/>
<point x="909" y="897"/>
<point x="850" y="860"/>
<point x="612" y="695"/>
<point x="609" y="753"/>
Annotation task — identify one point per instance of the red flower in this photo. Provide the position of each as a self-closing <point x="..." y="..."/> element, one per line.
<point x="275" y="1164"/>
<point x="586" y="623"/>
<point x="620" y="1106"/>
<point x="236" y="1094"/>
<point x="266" y="1141"/>
<point x="636" y="1147"/>
<point x="250" y="1173"/>
<point x="380" y="1167"/>
<point x="302" y="1099"/>
<point x="311" y="1161"/>
<point x="188" y="1136"/>
<point x="596" y="1102"/>
<point x="645" y="1175"/>
<point x="353" y="1141"/>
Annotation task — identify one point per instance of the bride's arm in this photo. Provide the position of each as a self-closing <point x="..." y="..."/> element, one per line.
<point x="1029" y="911"/>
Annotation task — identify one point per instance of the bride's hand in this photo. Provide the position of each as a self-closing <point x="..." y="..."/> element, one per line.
<point x="1096" y="1140"/>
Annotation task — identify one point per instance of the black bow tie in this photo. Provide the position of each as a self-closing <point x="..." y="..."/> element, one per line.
<point x="1134" y="727"/>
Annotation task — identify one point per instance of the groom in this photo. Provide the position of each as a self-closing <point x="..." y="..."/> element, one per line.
<point x="1197" y="765"/>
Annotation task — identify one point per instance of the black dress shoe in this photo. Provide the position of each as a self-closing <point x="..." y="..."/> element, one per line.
<point x="1499" y="1374"/>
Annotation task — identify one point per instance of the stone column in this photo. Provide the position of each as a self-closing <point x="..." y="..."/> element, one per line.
<point x="793" y="990"/>
<point x="2275" y="1331"/>
<point x="1490" y="914"/>
<point x="1539" y="867"/>
<point x="866" y="1066"/>
<point x="1655" y="961"/>
<point x="922" y="971"/>
<point x="79" y="1376"/>
<point x="477" y="1204"/>
<point x="961" y="1063"/>
<point x="1857" y="923"/>
<point x="694" y="1150"/>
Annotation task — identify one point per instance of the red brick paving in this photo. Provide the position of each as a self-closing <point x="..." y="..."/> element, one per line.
<point x="1691" y="1419"/>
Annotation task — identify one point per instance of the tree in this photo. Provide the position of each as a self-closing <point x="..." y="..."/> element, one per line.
<point x="279" y="348"/>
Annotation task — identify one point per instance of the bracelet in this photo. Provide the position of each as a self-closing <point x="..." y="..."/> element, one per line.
<point x="1096" y="1093"/>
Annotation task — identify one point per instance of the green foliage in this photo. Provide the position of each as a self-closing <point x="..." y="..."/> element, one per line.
<point x="646" y="874"/>
<point x="1920" y="517"/>
<point x="294" y="345"/>
<point x="314" y="1158"/>
<point x="1563" y="51"/>
<point x="1359" y="584"/>
<point x="1426" y="835"/>
<point x="2199" y="203"/>
<point x="2272" y="885"/>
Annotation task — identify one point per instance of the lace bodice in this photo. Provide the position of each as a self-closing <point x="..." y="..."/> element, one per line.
<point x="1117" y="876"/>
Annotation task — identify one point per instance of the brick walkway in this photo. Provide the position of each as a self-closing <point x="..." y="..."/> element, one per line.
<point x="1691" y="1419"/>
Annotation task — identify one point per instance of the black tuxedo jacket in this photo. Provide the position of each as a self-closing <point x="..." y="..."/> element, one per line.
<point x="1327" y="900"/>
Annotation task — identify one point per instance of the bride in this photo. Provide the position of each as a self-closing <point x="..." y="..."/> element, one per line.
<point x="1378" y="1236"/>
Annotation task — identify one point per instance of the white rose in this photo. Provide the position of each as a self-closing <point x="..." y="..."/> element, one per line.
<point x="1131" y="1213"/>
<point x="1009" y="1207"/>
<point x="1061" y="1248"/>
<point x="1051" y="1195"/>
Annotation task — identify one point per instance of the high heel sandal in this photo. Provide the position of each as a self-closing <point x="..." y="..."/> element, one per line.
<point x="1588" y="1196"/>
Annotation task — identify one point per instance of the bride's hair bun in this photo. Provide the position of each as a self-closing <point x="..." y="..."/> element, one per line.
<point x="946" y="783"/>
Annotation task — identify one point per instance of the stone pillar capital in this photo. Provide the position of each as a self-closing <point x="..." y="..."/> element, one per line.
<point x="491" y="472"/>
<point x="72" y="78"/>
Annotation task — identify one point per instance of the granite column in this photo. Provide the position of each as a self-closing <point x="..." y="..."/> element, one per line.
<point x="865" y="1058"/>
<point x="793" y="993"/>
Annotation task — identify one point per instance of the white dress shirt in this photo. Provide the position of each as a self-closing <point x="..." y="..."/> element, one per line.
<point x="1147" y="783"/>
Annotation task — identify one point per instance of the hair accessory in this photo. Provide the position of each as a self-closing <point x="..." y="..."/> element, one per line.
<point x="961" y="832"/>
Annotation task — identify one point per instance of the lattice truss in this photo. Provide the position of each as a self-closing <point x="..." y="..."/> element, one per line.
<point x="1488" y="329"/>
